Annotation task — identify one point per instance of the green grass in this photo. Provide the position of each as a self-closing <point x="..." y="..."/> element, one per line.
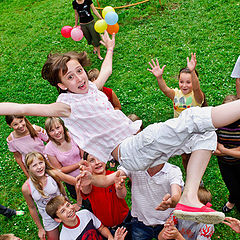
<point x="29" y="30"/>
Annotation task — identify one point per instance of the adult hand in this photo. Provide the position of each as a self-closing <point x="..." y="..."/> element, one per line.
<point x="233" y="223"/>
<point x="165" y="204"/>
<point x="155" y="68"/>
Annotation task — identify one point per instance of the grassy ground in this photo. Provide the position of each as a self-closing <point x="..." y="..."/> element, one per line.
<point x="31" y="29"/>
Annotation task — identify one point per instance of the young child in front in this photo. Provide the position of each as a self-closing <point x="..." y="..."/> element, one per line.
<point x="90" y="119"/>
<point x="179" y="229"/>
<point x="188" y="95"/>
<point x="112" y="97"/>
<point x="79" y="225"/>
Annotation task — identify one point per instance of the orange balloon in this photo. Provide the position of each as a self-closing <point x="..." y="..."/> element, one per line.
<point x="113" y="28"/>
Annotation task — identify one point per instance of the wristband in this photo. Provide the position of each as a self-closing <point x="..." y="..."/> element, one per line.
<point x="111" y="50"/>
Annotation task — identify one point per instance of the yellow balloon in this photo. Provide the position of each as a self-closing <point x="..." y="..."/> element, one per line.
<point x="106" y="10"/>
<point x="100" y="26"/>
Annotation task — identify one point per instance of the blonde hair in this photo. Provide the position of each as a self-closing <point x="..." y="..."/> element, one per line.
<point x="48" y="169"/>
<point x="204" y="195"/>
<point x="54" y="204"/>
<point x="230" y="98"/>
<point x="93" y="74"/>
<point x="50" y="122"/>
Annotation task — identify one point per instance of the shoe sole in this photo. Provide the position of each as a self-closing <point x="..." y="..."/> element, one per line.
<point x="201" y="217"/>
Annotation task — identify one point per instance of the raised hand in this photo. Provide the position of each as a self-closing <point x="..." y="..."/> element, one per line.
<point x="165" y="204"/>
<point x="120" y="233"/>
<point x="192" y="64"/>
<point x="155" y="68"/>
<point x="119" y="181"/>
<point x="107" y="41"/>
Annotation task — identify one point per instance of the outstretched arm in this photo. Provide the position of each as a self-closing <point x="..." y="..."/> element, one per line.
<point x="198" y="94"/>
<point x="158" y="72"/>
<point x="233" y="223"/>
<point x="106" y="69"/>
<point x="45" y="110"/>
<point x="120" y="188"/>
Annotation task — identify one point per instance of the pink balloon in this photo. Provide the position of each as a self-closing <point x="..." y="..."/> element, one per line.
<point x="66" y="31"/>
<point x="77" y="34"/>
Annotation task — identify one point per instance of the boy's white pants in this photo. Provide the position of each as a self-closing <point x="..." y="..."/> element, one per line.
<point x="191" y="131"/>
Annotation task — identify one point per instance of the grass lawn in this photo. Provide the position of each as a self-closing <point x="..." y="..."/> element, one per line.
<point x="30" y="29"/>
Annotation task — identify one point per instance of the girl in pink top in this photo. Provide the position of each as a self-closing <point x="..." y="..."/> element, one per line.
<point x="25" y="138"/>
<point x="104" y="132"/>
<point x="62" y="152"/>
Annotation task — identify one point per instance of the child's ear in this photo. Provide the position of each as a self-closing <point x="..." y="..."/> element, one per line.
<point x="57" y="220"/>
<point x="62" y="86"/>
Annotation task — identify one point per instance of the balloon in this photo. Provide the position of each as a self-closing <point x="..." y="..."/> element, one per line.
<point x="66" y="31"/>
<point x="113" y="28"/>
<point x="111" y="18"/>
<point x="77" y="34"/>
<point x="106" y="10"/>
<point x="100" y="26"/>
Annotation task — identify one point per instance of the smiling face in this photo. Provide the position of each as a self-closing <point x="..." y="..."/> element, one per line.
<point x="66" y="213"/>
<point x="98" y="167"/>
<point x="19" y="125"/>
<point x="37" y="167"/>
<point x="75" y="80"/>
<point x="56" y="132"/>
<point x="185" y="83"/>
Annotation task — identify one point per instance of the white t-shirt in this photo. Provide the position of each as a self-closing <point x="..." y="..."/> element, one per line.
<point x="236" y="69"/>
<point x="148" y="192"/>
<point x="86" y="228"/>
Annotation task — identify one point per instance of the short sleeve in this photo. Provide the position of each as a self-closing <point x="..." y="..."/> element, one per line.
<point x="11" y="146"/>
<point x="74" y="4"/>
<point x="236" y="69"/>
<point x="206" y="232"/>
<point x="175" y="176"/>
<point x="96" y="222"/>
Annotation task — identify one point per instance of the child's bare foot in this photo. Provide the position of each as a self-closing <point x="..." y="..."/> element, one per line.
<point x="100" y="58"/>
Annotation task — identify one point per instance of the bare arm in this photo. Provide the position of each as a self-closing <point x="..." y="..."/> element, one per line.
<point x="116" y="102"/>
<point x="106" y="68"/>
<point x="65" y="177"/>
<point x="120" y="188"/>
<point x="84" y="180"/>
<point x="158" y="72"/>
<point x="95" y="11"/>
<point x="56" y="164"/>
<point x="76" y="17"/>
<point x="33" y="210"/>
<point x="198" y="94"/>
<point x="170" y="201"/>
<point x="18" y="158"/>
<point x="233" y="152"/>
<point x="44" y="110"/>
<point x="105" y="232"/>
<point x="233" y="223"/>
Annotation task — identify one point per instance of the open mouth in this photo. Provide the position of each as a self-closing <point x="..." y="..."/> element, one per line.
<point x="82" y="86"/>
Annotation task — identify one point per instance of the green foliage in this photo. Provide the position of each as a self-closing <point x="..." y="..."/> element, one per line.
<point x="31" y="29"/>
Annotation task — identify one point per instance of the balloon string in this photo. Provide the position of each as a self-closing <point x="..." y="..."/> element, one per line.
<point x="129" y="5"/>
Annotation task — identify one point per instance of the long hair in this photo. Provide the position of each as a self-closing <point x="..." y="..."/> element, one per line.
<point x="48" y="169"/>
<point x="49" y="124"/>
<point x="9" y="119"/>
<point x="56" y="65"/>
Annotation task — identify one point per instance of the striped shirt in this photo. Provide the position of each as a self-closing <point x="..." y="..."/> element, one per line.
<point x="94" y="124"/>
<point x="229" y="136"/>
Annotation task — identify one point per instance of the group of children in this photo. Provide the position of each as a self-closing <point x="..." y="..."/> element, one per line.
<point x="97" y="131"/>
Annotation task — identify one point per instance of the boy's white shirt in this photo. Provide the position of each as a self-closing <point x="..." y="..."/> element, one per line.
<point x="236" y="69"/>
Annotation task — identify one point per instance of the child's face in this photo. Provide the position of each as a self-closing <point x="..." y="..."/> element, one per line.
<point x="185" y="83"/>
<point x="66" y="213"/>
<point x="37" y="167"/>
<point x="19" y="125"/>
<point x="57" y="132"/>
<point x="98" y="167"/>
<point x="75" y="80"/>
